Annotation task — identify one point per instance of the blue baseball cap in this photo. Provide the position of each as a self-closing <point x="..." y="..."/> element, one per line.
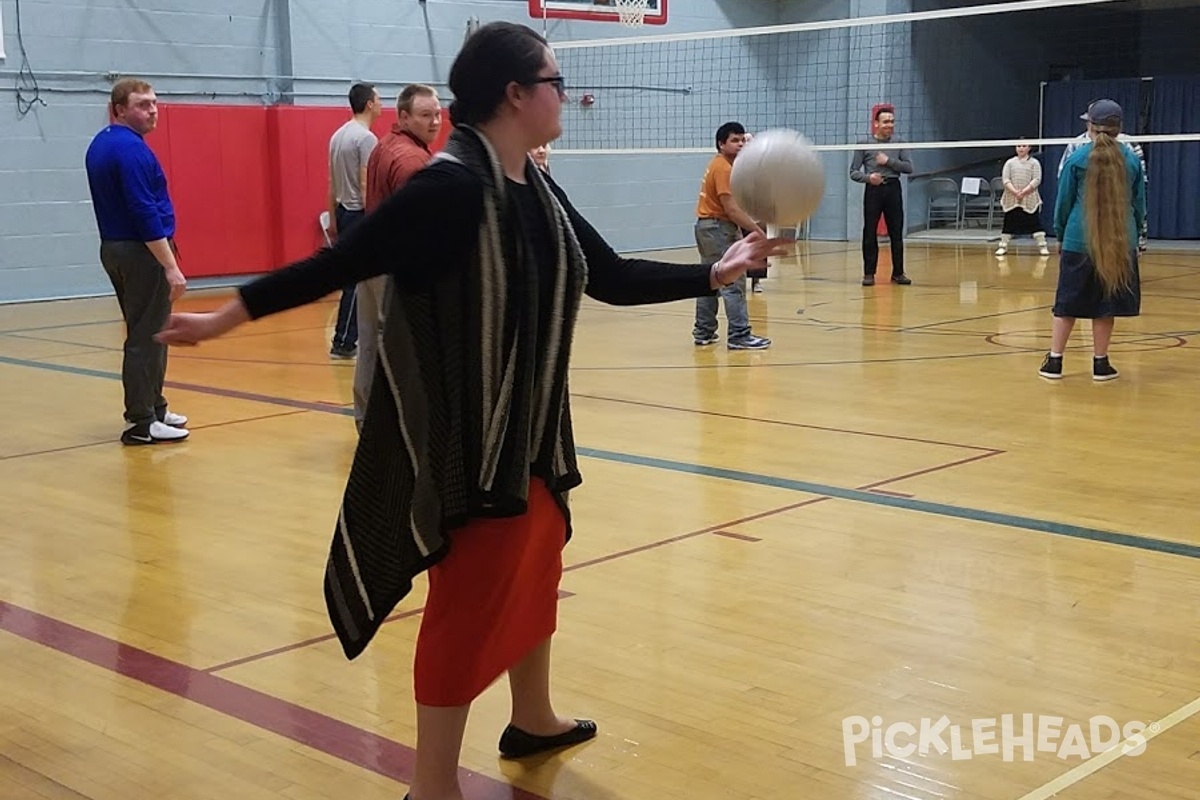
<point x="1103" y="112"/>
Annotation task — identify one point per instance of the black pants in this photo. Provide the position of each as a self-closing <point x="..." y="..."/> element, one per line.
<point x="885" y="199"/>
<point x="345" y="332"/>
<point x="145" y="300"/>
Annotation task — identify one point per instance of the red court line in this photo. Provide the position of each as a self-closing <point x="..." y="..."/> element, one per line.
<point x="684" y="536"/>
<point x="905" y="495"/>
<point x="714" y="529"/>
<point x="562" y="595"/>
<point x="287" y="648"/>
<point x="741" y="536"/>
<point x="116" y="441"/>
<point x="65" y="449"/>
<point x="928" y="470"/>
<point x="304" y="726"/>
<point x="703" y="413"/>
<point x="773" y="512"/>
<point x="240" y="420"/>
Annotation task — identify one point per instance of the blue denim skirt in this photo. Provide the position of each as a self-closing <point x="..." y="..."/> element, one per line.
<point x="1080" y="293"/>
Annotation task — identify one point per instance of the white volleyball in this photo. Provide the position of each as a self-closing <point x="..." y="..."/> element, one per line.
<point x="778" y="178"/>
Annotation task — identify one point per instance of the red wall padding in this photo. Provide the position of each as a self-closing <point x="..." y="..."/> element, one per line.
<point x="248" y="183"/>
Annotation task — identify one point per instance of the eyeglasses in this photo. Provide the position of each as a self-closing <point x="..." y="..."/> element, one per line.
<point x="557" y="81"/>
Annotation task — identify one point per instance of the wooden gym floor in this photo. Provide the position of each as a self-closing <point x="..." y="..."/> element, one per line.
<point x="886" y="515"/>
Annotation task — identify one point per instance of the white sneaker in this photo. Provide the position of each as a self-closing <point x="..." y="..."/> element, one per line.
<point x="174" y="420"/>
<point x="1043" y="251"/>
<point x="154" y="433"/>
<point x="1000" y="251"/>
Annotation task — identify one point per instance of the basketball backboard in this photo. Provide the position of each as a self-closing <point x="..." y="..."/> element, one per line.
<point x="593" y="10"/>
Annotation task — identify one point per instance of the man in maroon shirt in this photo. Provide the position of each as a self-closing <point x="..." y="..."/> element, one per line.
<point x="398" y="156"/>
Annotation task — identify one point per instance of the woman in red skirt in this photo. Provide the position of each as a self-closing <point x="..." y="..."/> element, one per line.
<point x="466" y="453"/>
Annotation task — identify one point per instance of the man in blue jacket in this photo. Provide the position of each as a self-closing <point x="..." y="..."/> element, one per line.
<point x="137" y="229"/>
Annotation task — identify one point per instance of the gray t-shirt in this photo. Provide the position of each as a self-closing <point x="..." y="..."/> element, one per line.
<point x="349" y="149"/>
<point x="899" y="161"/>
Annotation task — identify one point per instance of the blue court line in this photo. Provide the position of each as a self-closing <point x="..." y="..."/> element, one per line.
<point x="908" y="504"/>
<point x="326" y="408"/>
<point x="64" y="325"/>
<point x="190" y="387"/>
<point x="820" y="489"/>
<point x="66" y="368"/>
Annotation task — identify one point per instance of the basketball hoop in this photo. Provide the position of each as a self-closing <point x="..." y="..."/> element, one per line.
<point x="632" y="13"/>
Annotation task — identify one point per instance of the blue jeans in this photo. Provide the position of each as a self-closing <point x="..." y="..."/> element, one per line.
<point x="713" y="238"/>
<point x="345" y="332"/>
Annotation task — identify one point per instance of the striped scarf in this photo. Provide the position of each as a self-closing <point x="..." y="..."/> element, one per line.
<point x="469" y="399"/>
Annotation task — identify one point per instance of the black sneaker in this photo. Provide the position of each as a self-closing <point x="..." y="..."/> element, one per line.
<point x="152" y="433"/>
<point x="750" y="342"/>
<point x="1102" y="370"/>
<point x="343" y="353"/>
<point x="901" y="279"/>
<point x="1051" y="367"/>
<point x="868" y="280"/>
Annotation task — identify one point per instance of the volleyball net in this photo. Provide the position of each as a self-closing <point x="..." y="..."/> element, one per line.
<point x="975" y="78"/>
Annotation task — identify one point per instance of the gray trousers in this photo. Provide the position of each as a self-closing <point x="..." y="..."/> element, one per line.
<point x="145" y="300"/>
<point x="713" y="238"/>
<point x="371" y="294"/>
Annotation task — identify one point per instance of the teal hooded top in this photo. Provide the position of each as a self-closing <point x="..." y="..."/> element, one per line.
<point x="1068" y="208"/>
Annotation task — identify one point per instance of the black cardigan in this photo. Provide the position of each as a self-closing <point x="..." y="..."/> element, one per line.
<point x="430" y="225"/>
<point x="414" y="475"/>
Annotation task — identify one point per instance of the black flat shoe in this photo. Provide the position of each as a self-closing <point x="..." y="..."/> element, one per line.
<point x="516" y="743"/>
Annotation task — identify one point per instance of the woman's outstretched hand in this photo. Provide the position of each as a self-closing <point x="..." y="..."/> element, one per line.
<point x="193" y="328"/>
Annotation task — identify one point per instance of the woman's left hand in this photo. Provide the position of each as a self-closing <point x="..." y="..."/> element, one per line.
<point x="746" y="254"/>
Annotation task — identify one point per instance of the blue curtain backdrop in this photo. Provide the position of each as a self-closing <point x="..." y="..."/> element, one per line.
<point x="1064" y="102"/>
<point x="1173" y="199"/>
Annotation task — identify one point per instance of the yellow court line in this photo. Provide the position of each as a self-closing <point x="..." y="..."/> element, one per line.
<point x="1102" y="760"/>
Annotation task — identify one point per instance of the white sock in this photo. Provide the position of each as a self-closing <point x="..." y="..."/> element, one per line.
<point x="1055" y="355"/>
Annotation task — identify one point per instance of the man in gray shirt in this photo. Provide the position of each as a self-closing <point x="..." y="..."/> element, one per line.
<point x="879" y="167"/>
<point x="349" y="149"/>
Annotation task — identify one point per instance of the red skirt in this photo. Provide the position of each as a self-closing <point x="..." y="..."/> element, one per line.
<point x="492" y="599"/>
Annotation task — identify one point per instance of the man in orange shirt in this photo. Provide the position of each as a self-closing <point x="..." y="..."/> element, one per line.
<point x="397" y="157"/>
<point x="719" y="224"/>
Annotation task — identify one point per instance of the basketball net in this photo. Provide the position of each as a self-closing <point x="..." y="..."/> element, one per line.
<point x="632" y="13"/>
